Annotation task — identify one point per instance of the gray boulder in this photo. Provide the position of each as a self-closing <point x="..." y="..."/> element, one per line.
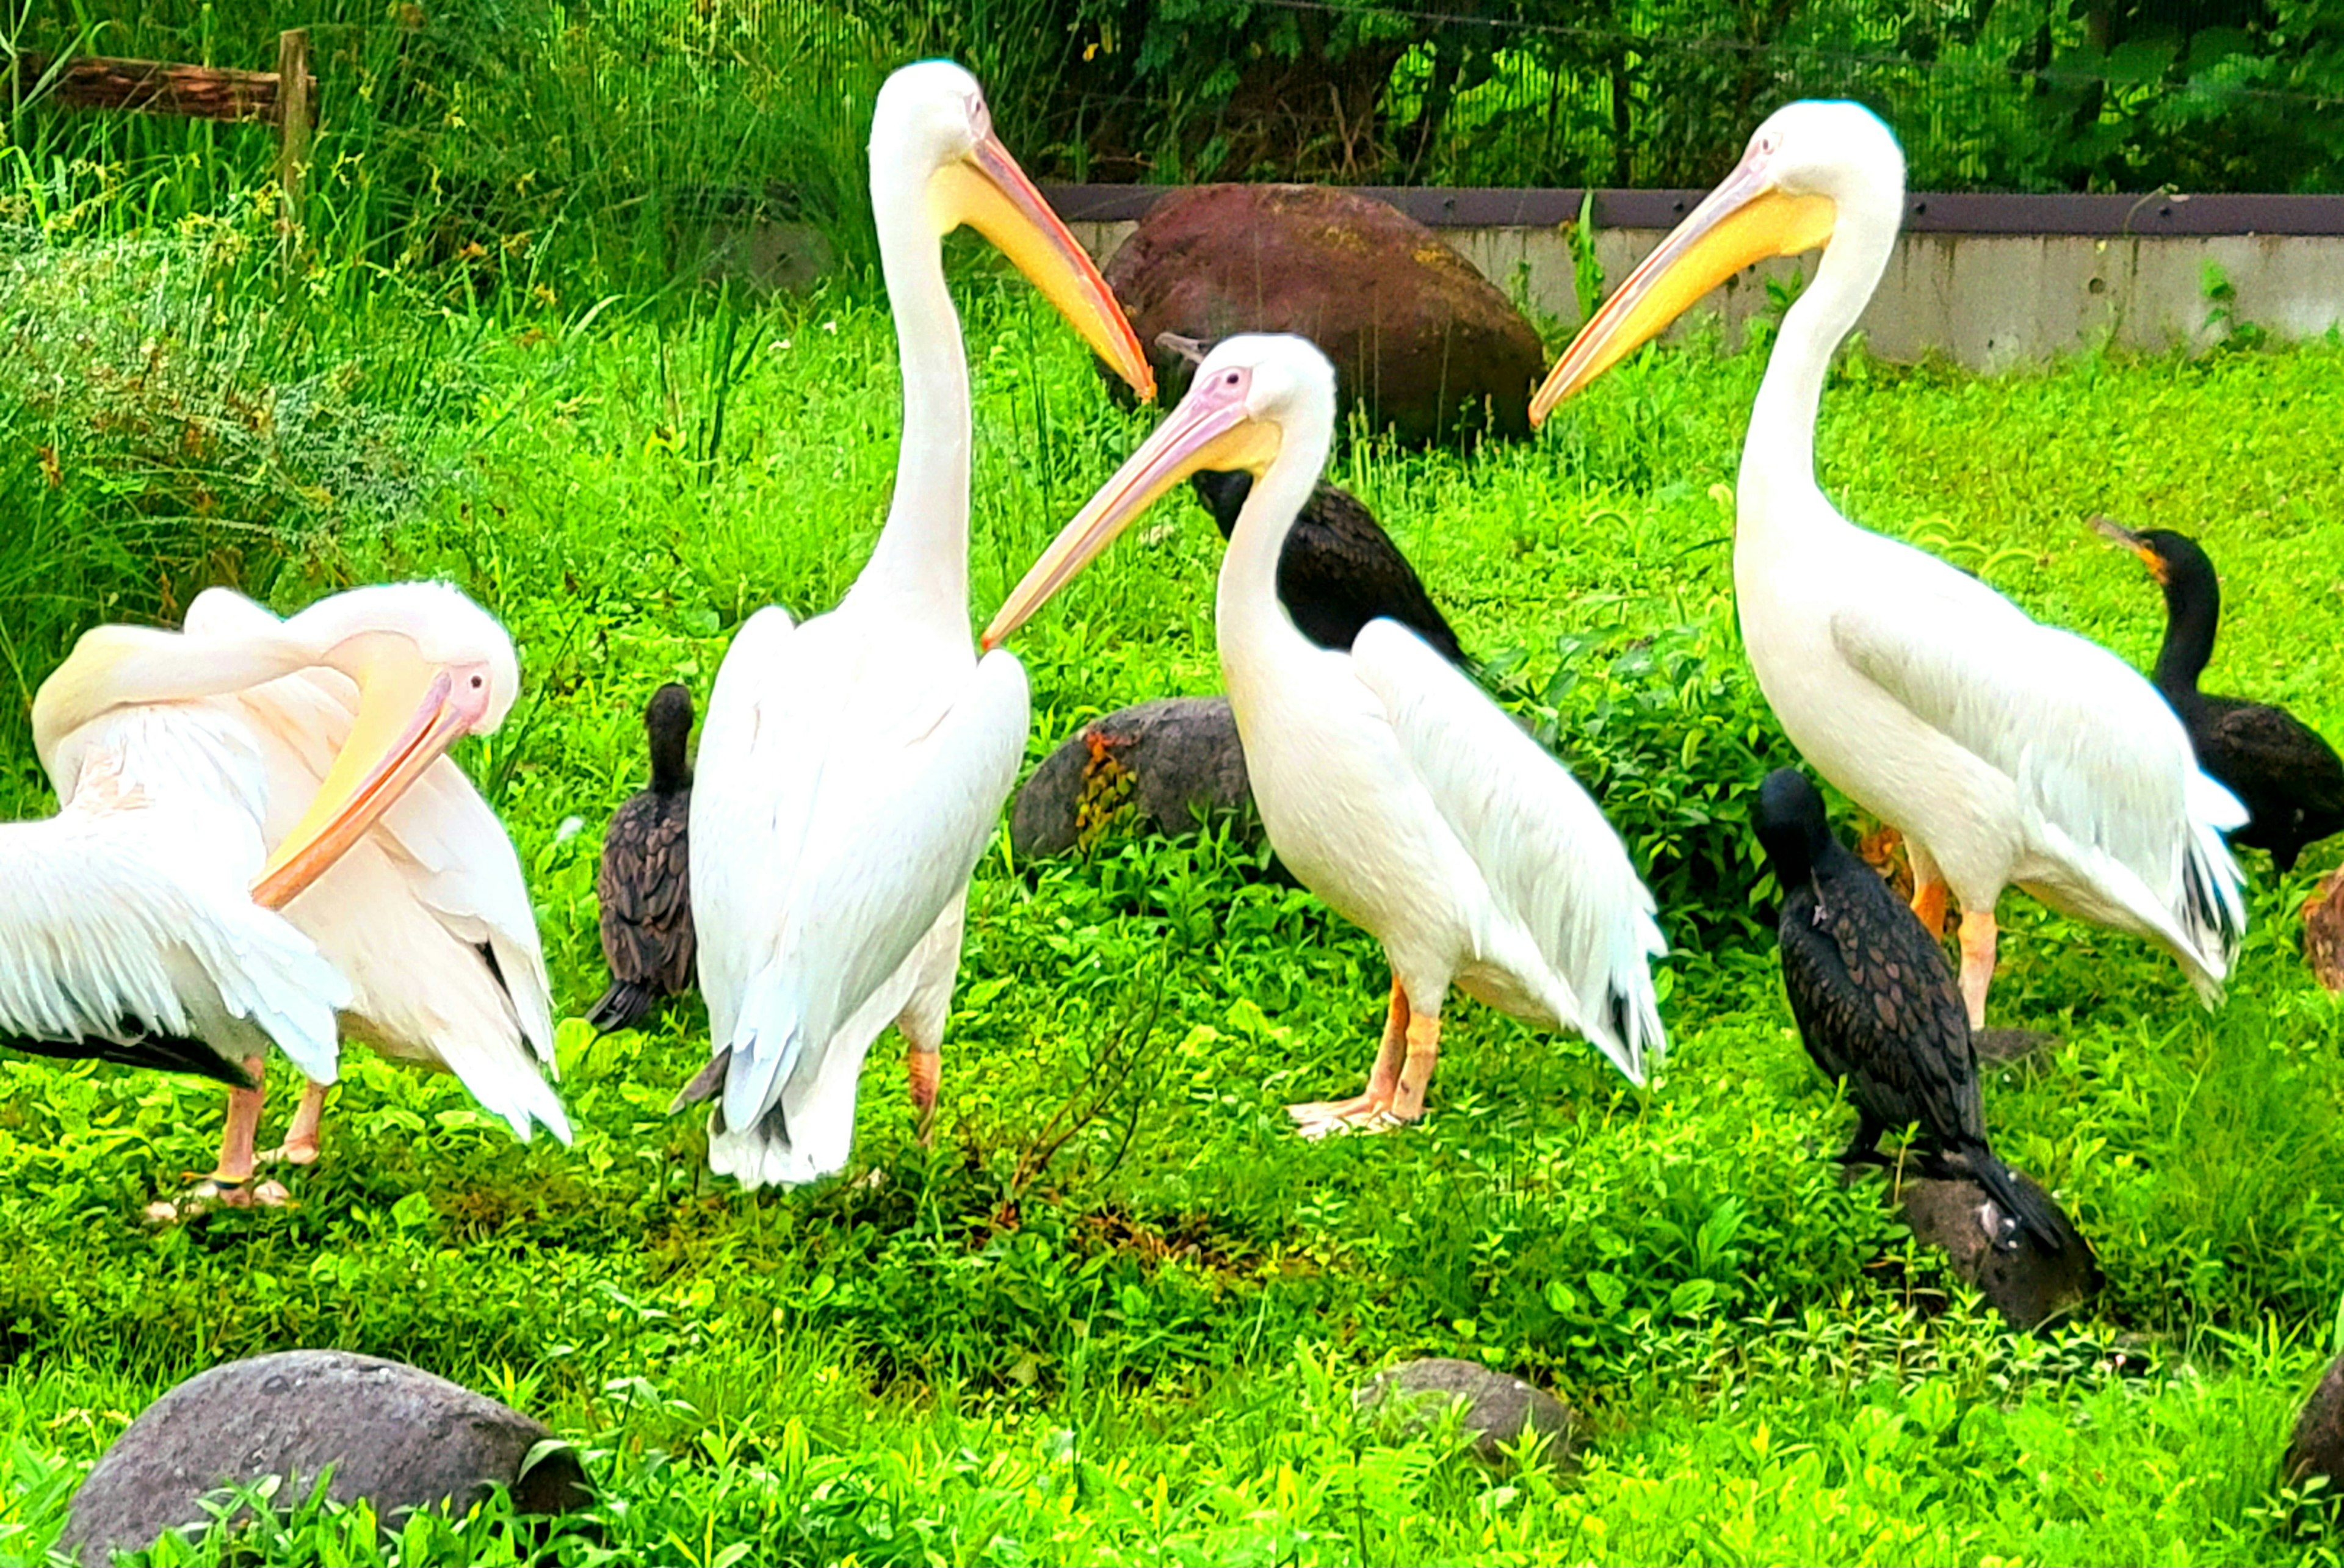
<point x="2026" y="1284"/>
<point x="393" y="1434"/>
<point x="1497" y="1409"/>
<point x="1166" y="761"/>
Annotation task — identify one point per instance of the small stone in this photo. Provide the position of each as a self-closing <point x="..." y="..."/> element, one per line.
<point x="1999" y="1047"/>
<point x="1166" y="761"/>
<point x="2026" y="1284"/>
<point x="394" y="1434"/>
<point x="1420" y="342"/>
<point x="2317" y="1446"/>
<point x="1497" y="1409"/>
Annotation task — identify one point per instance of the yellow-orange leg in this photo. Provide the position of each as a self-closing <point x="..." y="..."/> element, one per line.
<point x="1929" y="903"/>
<point x="1978" y="961"/>
<point x="925" y="1070"/>
<point x="300" y="1145"/>
<point x="1416" y="1077"/>
<point x="1316" y="1118"/>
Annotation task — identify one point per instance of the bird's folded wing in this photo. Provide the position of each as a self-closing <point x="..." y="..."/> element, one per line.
<point x="846" y="854"/>
<point x="1540" y="841"/>
<point x="2262" y="741"/>
<point x="2094" y="751"/>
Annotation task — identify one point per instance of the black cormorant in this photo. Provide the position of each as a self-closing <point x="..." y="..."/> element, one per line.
<point x="2287" y="778"/>
<point x="1877" y="1007"/>
<point x="644" y="881"/>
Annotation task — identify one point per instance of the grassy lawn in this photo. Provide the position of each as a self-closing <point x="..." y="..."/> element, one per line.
<point x="1142" y="1346"/>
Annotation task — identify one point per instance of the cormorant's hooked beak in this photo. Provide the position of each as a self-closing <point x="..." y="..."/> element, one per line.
<point x="987" y="191"/>
<point x="1210" y="428"/>
<point x="411" y="711"/>
<point x="1748" y="218"/>
<point x="1186" y="347"/>
<point x="2135" y="543"/>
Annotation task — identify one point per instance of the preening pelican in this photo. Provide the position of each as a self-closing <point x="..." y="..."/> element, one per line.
<point x="137" y="924"/>
<point x="427" y="915"/>
<point x="643" y="882"/>
<point x="852" y="768"/>
<point x="2004" y="751"/>
<point x="1389" y="783"/>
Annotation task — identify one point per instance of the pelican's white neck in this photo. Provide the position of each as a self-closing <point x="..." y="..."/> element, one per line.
<point x="1778" y="455"/>
<point x="1248" y="618"/>
<point x="923" y="551"/>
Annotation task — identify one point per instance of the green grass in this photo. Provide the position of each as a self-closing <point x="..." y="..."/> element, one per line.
<point x="1144" y="1350"/>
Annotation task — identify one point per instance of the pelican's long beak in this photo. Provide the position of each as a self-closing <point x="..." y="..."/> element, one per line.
<point x="1209" y="430"/>
<point x="1748" y="218"/>
<point x="2134" y="543"/>
<point x="991" y="194"/>
<point x="410" y="713"/>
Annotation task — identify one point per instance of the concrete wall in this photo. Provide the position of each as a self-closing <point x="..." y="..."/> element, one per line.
<point x="1990" y="301"/>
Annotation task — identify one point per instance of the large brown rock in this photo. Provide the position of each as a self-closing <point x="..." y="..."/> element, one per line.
<point x="1166" y="762"/>
<point x="393" y="1434"/>
<point x="1416" y="335"/>
<point x="2026" y="1284"/>
<point x="2317" y="1447"/>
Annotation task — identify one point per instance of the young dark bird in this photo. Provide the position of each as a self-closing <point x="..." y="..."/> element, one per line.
<point x="2287" y="777"/>
<point x="644" y="881"/>
<point x="1877" y="1007"/>
<point x="1339" y="570"/>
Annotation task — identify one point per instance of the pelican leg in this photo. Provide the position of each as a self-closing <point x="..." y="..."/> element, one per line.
<point x="926" y="1067"/>
<point x="244" y="1106"/>
<point x="1929" y="903"/>
<point x="1316" y="1118"/>
<point x="300" y="1145"/>
<point x="1978" y="961"/>
<point x="231" y="1181"/>
<point x="1416" y="1077"/>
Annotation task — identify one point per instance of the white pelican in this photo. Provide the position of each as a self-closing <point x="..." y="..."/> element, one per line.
<point x="2004" y="751"/>
<point x="1389" y="785"/>
<point x="427" y="915"/>
<point x="852" y="769"/>
<point x="127" y="930"/>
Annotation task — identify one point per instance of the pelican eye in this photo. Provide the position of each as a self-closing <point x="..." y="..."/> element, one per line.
<point x="478" y="680"/>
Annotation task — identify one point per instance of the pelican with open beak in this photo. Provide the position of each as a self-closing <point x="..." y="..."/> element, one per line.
<point x="1389" y="783"/>
<point x="195" y="896"/>
<point x="2005" y="752"/>
<point x="852" y="769"/>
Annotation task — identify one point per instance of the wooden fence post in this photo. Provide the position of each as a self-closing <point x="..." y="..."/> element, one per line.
<point x="295" y="116"/>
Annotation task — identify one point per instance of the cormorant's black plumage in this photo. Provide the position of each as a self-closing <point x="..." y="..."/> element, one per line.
<point x="644" y="881"/>
<point x="1877" y="1004"/>
<point x="1339" y="570"/>
<point x="2288" y="779"/>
